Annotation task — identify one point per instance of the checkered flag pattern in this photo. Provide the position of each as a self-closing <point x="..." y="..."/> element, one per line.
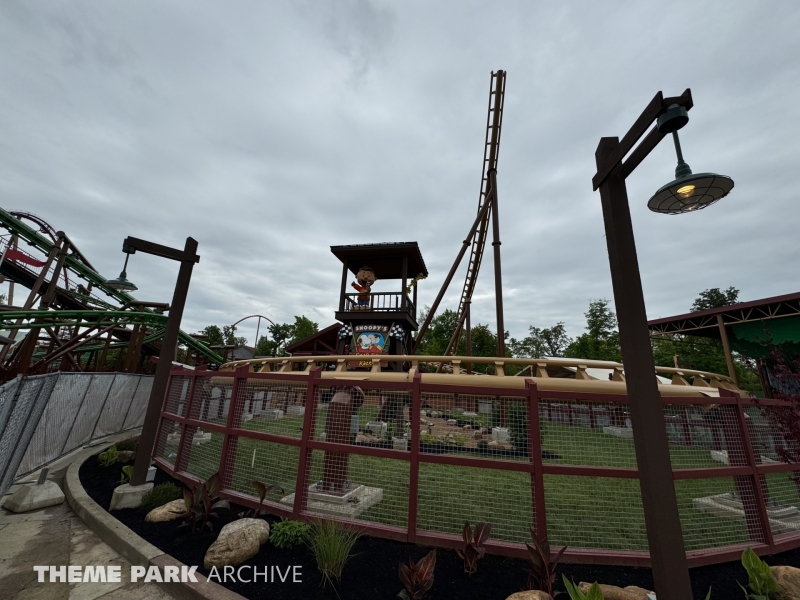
<point x="345" y="331"/>
<point x="397" y="331"/>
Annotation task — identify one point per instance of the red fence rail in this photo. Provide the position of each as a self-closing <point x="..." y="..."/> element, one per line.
<point x="755" y="511"/>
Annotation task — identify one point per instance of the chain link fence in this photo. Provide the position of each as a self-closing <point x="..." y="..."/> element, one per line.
<point x="48" y="416"/>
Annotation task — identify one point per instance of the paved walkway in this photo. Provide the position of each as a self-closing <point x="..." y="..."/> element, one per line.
<point x="56" y="536"/>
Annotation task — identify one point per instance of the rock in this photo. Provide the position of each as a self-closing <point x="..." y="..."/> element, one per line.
<point x="493" y="444"/>
<point x="635" y="589"/>
<point x="483" y="430"/>
<point x="237" y="542"/>
<point x="125" y="456"/>
<point x="435" y="414"/>
<point x="530" y="595"/>
<point x="452" y="422"/>
<point x="612" y="592"/>
<point x="167" y="512"/>
<point x="363" y="439"/>
<point x="467" y="427"/>
<point x="788" y="580"/>
<point x="477" y="436"/>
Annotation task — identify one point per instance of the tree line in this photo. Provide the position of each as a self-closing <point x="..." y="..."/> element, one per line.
<point x="599" y="341"/>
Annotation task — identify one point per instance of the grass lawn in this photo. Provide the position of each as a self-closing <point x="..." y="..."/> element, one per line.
<point x="587" y="512"/>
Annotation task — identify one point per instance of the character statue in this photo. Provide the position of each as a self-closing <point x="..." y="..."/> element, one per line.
<point x="365" y="278"/>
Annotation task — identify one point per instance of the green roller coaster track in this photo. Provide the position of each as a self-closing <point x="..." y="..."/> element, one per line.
<point x="86" y="317"/>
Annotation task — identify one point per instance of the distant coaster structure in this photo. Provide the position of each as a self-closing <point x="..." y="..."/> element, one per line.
<point x="72" y="318"/>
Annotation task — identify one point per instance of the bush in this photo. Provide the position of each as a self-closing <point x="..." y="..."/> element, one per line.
<point x="460" y="440"/>
<point x="483" y="444"/>
<point x="331" y="542"/>
<point x="160" y="495"/>
<point x="128" y="445"/>
<point x="427" y="438"/>
<point x="288" y="534"/>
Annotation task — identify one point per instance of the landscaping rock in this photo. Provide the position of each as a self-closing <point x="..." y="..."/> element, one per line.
<point x="452" y="422"/>
<point x="493" y="444"/>
<point x="467" y="427"/>
<point x="125" y="456"/>
<point x="237" y="542"/>
<point x="168" y="512"/>
<point x="477" y="436"/>
<point x="612" y="592"/>
<point x="530" y="595"/>
<point x="642" y="593"/>
<point x="788" y="580"/>
<point x="483" y="430"/>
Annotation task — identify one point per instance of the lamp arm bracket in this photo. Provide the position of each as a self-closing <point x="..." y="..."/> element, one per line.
<point x="132" y="243"/>
<point x="657" y="106"/>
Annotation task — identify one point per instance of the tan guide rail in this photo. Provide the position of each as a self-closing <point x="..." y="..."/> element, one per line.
<point x="453" y="373"/>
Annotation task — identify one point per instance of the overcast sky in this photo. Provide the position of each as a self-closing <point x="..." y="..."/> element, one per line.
<point x="269" y="131"/>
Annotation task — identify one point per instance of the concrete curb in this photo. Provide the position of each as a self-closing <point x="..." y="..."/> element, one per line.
<point x="133" y="548"/>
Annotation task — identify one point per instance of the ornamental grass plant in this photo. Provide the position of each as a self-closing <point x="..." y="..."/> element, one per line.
<point x="332" y="543"/>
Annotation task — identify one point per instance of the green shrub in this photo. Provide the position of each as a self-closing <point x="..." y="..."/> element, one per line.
<point x="331" y="542"/>
<point x="483" y="444"/>
<point x="128" y="445"/>
<point x="460" y="440"/>
<point x="108" y="458"/>
<point x="428" y="438"/>
<point x="288" y="534"/>
<point x="160" y="495"/>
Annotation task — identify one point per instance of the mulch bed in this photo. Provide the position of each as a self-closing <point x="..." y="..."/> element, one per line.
<point x="372" y="571"/>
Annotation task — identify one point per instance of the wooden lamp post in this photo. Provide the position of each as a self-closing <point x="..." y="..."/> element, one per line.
<point x="685" y="194"/>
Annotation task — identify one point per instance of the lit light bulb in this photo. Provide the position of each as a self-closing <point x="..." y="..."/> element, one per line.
<point x="686" y="191"/>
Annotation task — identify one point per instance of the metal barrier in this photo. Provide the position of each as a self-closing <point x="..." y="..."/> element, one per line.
<point x="560" y="461"/>
<point x="44" y="417"/>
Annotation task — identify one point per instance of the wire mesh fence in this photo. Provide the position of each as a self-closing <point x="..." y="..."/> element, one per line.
<point x="416" y="460"/>
<point x="44" y="417"/>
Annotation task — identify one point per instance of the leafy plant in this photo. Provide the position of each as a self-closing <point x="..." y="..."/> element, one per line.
<point x="418" y="578"/>
<point x="331" y="543"/>
<point x="109" y="457"/>
<point x="474" y="548"/>
<point x="575" y="593"/>
<point x="262" y="490"/>
<point x="483" y="444"/>
<point x="127" y="473"/>
<point x="542" y="573"/>
<point x="761" y="581"/>
<point x="160" y="495"/>
<point x="428" y="438"/>
<point x="288" y="534"/>
<point x="460" y="440"/>
<point x="201" y="501"/>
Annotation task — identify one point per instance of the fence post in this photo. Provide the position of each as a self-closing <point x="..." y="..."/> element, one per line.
<point x="230" y="442"/>
<point x="535" y="456"/>
<point x="740" y="454"/>
<point x="309" y="421"/>
<point x="187" y="432"/>
<point x="413" y="474"/>
<point x="758" y="484"/>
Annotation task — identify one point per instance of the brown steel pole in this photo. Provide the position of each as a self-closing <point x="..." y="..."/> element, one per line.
<point x="169" y="345"/>
<point x="498" y="276"/>
<point x="727" y="348"/>
<point x="662" y="520"/>
<point x="469" y="337"/>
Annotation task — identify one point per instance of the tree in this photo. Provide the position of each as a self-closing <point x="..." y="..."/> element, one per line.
<point x="714" y="298"/>
<point x="229" y="334"/>
<point x="213" y="335"/>
<point x="541" y="342"/>
<point x="601" y="340"/>
<point x="439" y="332"/>
<point x="303" y="327"/>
